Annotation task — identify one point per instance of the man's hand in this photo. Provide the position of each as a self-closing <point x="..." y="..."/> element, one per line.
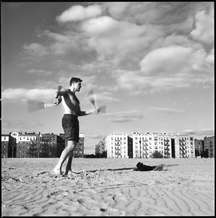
<point x="58" y="100"/>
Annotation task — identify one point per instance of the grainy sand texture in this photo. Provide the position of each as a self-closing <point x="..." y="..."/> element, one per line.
<point x="108" y="187"/>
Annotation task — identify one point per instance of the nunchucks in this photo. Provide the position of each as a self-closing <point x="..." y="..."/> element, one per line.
<point x="34" y="105"/>
<point x="92" y="99"/>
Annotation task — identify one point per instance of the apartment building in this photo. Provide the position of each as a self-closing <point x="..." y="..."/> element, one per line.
<point x="8" y="146"/>
<point x="184" y="147"/>
<point x="144" y="145"/>
<point x="4" y="145"/>
<point x="79" y="149"/>
<point x="31" y="145"/>
<point x="199" y="147"/>
<point x="167" y="147"/>
<point x="122" y="145"/>
<point x="141" y="145"/>
<point x="209" y="146"/>
<point x="138" y="145"/>
<point x="26" y="144"/>
<point x="51" y="145"/>
<point x="118" y="146"/>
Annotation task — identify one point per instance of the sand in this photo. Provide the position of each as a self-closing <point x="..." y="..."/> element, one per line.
<point x="108" y="187"/>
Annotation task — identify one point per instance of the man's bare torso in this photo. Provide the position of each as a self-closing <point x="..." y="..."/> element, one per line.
<point x="70" y="103"/>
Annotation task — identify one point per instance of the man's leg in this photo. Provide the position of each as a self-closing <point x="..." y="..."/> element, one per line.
<point x="69" y="164"/>
<point x="65" y="153"/>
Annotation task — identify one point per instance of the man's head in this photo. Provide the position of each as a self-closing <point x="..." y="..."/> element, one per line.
<point x="75" y="83"/>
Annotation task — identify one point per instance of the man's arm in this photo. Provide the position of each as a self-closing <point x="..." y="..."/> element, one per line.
<point x="101" y="109"/>
<point x="74" y="106"/>
<point x="61" y="91"/>
<point x="59" y="100"/>
<point x="49" y="105"/>
<point x="84" y="113"/>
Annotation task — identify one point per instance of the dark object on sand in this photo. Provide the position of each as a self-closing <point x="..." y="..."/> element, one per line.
<point x="141" y="167"/>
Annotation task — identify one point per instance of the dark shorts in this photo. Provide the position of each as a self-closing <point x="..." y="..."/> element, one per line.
<point x="70" y="124"/>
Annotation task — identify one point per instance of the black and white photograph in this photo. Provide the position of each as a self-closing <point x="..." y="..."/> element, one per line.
<point x="107" y="108"/>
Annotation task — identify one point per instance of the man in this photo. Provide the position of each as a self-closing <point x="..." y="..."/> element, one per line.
<point x="70" y="122"/>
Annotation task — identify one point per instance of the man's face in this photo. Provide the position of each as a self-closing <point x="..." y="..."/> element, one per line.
<point x="78" y="86"/>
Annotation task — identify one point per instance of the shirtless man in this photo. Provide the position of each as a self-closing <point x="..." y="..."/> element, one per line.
<point x="70" y="122"/>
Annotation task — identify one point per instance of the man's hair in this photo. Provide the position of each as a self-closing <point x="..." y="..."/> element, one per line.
<point x="75" y="80"/>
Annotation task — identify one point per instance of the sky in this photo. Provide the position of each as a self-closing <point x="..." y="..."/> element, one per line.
<point x="150" y="63"/>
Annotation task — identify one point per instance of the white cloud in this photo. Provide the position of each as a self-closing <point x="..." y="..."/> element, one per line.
<point x="121" y="42"/>
<point x="129" y="79"/>
<point x="156" y="13"/>
<point x="9" y="125"/>
<point x="200" y="133"/>
<point x="175" y="40"/>
<point x="124" y="117"/>
<point x="36" y="49"/>
<point x="124" y="40"/>
<point x="166" y="109"/>
<point x="121" y="32"/>
<point x="105" y="96"/>
<point x="116" y="9"/>
<point x="132" y="29"/>
<point x="100" y="25"/>
<point x="78" y="13"/>
<point x="166" y="60"/>
<point x="40" y="72"/>
<point x="167" y="68"/>
<point x="210" y="57"/>
<point x="177" y="62"/>
<point x="204" y="30"/>
<point x="56" y="36"/>
<point x="67" y="44"/>
<point x="139" y="83"/>
<point x="147" y="46"/>
<point x="61" y="43"/>
<point x="25" y="94"/>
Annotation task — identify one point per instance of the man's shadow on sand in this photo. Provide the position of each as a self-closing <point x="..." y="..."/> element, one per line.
<point x="161" y="167"/>
<point x="139" y="167"/>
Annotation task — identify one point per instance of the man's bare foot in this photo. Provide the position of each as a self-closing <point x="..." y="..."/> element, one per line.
<point x="69" y="173"/>
<point x="57" y="171"/>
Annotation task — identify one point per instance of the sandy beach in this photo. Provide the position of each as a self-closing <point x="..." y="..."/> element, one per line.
<point x="108" y="187"/>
